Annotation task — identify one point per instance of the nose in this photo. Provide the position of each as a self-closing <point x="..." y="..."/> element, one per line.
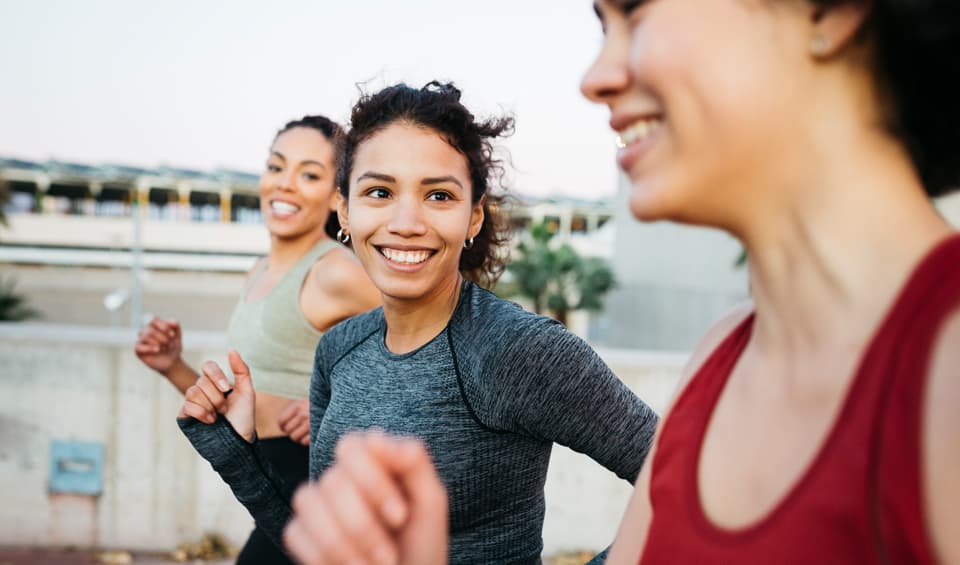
<point x="286" y="180"/>
<point x="407" y="219"/>
<point x="609" y="74"/>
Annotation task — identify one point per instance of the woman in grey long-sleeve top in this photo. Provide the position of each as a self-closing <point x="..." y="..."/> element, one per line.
<point x="487" y="386"/>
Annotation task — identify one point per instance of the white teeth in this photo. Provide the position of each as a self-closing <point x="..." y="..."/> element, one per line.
<point x="407" y="257"/>
<point x="283" y="207"/>
<point x="638" y="131"/>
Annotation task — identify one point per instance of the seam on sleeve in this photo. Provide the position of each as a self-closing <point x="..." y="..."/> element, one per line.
<point x="463" y="392"/>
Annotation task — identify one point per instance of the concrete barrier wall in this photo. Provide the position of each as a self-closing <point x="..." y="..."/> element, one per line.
<point x="72" y="383"/>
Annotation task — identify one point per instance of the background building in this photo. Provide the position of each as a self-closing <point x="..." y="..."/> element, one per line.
<point x="674" y="281"/>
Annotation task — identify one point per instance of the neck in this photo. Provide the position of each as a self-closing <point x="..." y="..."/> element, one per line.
<point x="826" y="265"/>
<point x="284" y="253"/>
<point x="411" y="323"/>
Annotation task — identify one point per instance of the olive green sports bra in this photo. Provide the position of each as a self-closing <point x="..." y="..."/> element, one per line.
<point x="272" y="334"/>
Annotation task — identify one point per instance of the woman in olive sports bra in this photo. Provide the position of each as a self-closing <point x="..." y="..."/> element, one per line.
<point x="305" y="284"/>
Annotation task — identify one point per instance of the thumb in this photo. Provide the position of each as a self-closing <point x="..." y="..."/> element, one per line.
<point x="241" y="373"/>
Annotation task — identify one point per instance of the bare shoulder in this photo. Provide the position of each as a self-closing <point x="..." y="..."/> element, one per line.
<point x="257" y="266"/>
<point x="338" y="275"/>
<point x="941" y="442"/>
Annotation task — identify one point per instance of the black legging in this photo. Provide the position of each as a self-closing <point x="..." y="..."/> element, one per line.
<point x="292" y="461"/>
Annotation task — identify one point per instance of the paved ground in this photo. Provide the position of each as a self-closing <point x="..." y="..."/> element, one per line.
<point x="19" y="556"/>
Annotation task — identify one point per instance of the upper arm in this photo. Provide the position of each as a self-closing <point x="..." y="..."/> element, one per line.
<point x="319" y="391"/>
<point x="337" y="288"/>
<point x="632" y="533"/>
<point x="941" y="444"/>
<point x="553" y="386"/>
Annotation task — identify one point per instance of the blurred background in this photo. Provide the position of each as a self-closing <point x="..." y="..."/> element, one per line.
<point x="131" y="138"/>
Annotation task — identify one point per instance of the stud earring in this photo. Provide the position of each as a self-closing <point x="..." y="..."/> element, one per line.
<point x="819" y="45"/>
<point x="343" y="237"/>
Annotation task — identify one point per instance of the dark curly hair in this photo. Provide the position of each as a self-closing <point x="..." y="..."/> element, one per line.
<point x="334" y="134"/>
<point x="917" y="62"/>
<point x="437" y="106"/>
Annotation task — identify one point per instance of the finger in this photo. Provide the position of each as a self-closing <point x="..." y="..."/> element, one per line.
<point x="301" y="434"/>
<point x="300" y="545"/>
<point x="409" y="462"/>
<point x="161" y="329"/>
<point x="241" y="373"/>
<point x="373" y="476"/>
<point x="294" y="423"/>
<point x="197" y="395"/>
<point x="425" y="538"/>
<point x="289" y="412"/>
<point x="148" y="336"/>
<point x="146" y="347"/>
<point x="197" y="412"/>
<point x="212" y="371"/>
<point x="360" y="522"/>
<point x="310" y="507"/>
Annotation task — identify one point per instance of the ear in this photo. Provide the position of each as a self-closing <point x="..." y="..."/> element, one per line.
<point x="334" y="200"/>
<point x="836" y="26"/>
<point x="343" y="214"/>
<point x="476" y="217"/>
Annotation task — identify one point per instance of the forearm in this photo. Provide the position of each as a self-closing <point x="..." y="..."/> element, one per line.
<point x="181" y="375"/>
<point x="251" y="478"/>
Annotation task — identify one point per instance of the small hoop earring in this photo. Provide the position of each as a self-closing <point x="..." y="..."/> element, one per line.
<point x="343" y="237"/>
<point x="468" y="243"/>
<point x="819" y="45"/>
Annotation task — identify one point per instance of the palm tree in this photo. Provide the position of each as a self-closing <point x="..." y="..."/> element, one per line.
<point x="556" y="278"/>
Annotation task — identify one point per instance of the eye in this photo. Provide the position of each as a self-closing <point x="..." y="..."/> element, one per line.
<point x="273" y="168"/>
<point x="311" y="177"/>
<point x="378" y="192"/>
<point x="440" y="196"/>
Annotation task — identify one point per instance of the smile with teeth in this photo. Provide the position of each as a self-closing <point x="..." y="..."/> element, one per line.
<point x="638" y="131"/>
<point x="406" y="257"/>
<point x="283" y="207"/>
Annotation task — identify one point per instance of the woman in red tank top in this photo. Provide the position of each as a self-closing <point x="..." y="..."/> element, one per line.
<point x="820" y="423"/>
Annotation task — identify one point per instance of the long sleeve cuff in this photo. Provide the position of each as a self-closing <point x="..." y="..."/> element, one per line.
<point x="241" y="465"/>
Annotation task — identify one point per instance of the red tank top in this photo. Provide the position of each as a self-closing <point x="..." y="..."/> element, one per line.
<point x="860" y="499"/>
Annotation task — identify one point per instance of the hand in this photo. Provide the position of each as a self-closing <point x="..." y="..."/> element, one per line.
<point x="159" y="344"/>
<point x="212" y="395"/>
<point x="381" y="502"/>
<point x="295" y="421"/>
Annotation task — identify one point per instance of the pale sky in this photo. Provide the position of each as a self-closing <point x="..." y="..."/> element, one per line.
<point x="205" y="83"/>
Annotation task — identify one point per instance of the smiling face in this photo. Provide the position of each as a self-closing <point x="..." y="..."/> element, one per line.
<point x="409" y="211"/>
<point x="297" y="187"/>
<point x="703" y="95"/>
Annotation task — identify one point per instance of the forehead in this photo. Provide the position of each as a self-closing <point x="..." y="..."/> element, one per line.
<point x="409" y="150"/>
<point x="304" y="143"/>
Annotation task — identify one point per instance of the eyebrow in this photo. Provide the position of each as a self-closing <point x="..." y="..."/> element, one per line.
<point x="307" y="162"/>
<point x="426" y="181"/>
<point x="376" y="176"/>
<point x="443" y="179"/>
<point x="596" y="10"/>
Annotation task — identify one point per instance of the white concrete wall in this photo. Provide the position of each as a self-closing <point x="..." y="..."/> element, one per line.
<point x="84" y="383"/>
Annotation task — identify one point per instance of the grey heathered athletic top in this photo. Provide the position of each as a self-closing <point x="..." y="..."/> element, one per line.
<point x="489" y="395"/>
